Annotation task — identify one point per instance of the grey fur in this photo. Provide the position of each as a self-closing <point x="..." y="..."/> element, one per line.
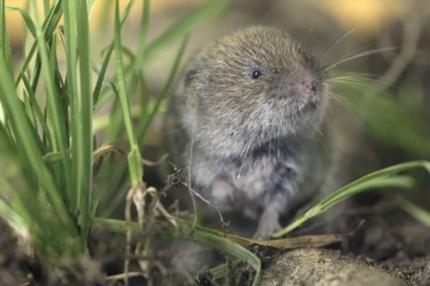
<point x="252" y="139"/>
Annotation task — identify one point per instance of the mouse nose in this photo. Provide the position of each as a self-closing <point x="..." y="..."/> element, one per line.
<point x="307" y="85"/>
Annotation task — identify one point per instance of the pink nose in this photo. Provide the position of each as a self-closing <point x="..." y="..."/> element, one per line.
<point x="307" y="86"/>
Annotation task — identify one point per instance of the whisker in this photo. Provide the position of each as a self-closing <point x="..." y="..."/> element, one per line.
<point x="350" y="77"/>
<point x="350" y="81"/>
<point x="341" y="100"/>
<point x="359" y="55"/>
<point x="354" y="52"/>
<point x="359" y="81"/>
<point x="357" y="74"/>
<point x="336" y="96"/>
<point x="338" y="41"/>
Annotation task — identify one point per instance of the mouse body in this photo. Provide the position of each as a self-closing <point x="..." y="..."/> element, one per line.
<point x="245" y="119"/>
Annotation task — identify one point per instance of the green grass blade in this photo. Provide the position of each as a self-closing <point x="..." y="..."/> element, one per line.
<point x="147" y="120"/>
<point x="397" y="181"/>
<point x="27" y="143"/>
<point x="123" y="96"/>
<point x="46" y="7"/>
<point x="144" y="26"/>
<point x="26" y="208"/>
<point x="12" y="218"/>
<point x="415" y="211"/>
<point x="134" y="157"/>
<point x="27" y="19"/>
<point x="70" y="33"/>
<point x="5" y="46"/>
<point x="56" y="121"/>
<point x="106" y="60"/>
<point x="101" y="77"/>
<point x="379" y="179"/>
<point x="31" y="88"/>
<point x="173" y="32"/>
<point x="36" y="110"/>
<point x="383" y="111"/>
<point x="203" y="236"/>
<point x="184" y="25"/>
<point x="138" y="61"/>
<point x="49" y="25"/>
<point x="84" y="174"/>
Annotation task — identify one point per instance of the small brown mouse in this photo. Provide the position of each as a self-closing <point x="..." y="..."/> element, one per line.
<point x="248" y="108"/>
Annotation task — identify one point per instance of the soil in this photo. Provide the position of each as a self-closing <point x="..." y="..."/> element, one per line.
<point x="389" y="248"/>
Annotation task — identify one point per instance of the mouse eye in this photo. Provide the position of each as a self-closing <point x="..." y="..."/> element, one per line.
<point x="255" y="74"/>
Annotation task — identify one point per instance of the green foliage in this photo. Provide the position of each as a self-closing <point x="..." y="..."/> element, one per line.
<point x="384" y="178"/>
<point x="415" y="211"/>
<point x="205" y="236"/>
<point x="389" y="120"/>
<point x="50" y="190"/>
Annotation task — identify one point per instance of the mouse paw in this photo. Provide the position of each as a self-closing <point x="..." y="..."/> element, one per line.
<point x="268" y="224"/>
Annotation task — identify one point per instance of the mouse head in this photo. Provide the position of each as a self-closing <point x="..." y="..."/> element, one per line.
<point x="256" y="85"/>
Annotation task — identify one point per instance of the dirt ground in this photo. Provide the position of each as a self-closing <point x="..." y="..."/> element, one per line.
<point x="388" y="247"/>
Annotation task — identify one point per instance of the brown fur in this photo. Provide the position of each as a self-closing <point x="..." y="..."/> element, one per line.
<point x="252" y="141"/>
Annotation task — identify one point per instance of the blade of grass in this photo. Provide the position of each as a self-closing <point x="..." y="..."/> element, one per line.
<point x="138" y="61"/>
<point x="6" y="50"/>
<point x="102" y="81"/>
<point x="145" y="123"/>
<point x="284" y="243"/>
<point x="27" y="207"/>
<point x="13" y="218"/>
<point x="56" y="119"/>
<point x="50" y="23"/>
<point x="415" y="211"/>
<point x="378" y="179"/>
<point x="134" y="157"/>
<point x="35" y="78"/>
<point x="201" y="235"/>
<point x="36" y="110"/>
<point x="70" y="35"/>
<point x="60" y="173"/>
<point x="101" y="77"/>
<point x="27" y="144"/>
<point x="84" y="178"/>
<point x="27" y="19"/>
<point x="336" y="197"/>
<point x="46" y="7"/>
<point x="383" y="111"/>
<point x="115" y="184"/>
<point x="144" y="26"/>
<point x="183" y="26"/>
<point x="108" y="55"/>
<point x="168" y="83"/>
<point x="21" y="132"/>
<point x="9" y="214"/>
<point x="221" y="270"/>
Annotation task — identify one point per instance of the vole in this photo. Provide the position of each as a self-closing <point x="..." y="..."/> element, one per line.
<point x="245" y="118"/>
